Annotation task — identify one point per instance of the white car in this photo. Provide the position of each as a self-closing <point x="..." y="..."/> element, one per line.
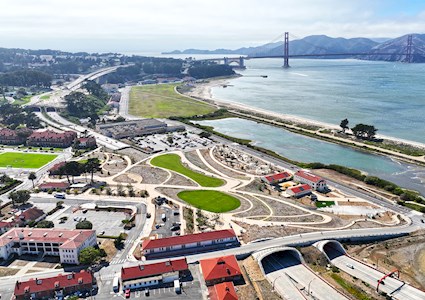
<point x="350" y="266"/>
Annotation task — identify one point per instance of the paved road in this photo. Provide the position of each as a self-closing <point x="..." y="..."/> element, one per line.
<point x="293" y="280"/>
<point x="392" y="286"/>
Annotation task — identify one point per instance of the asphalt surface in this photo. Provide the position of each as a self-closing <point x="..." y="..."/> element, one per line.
<point x="294" y="281"/>
<point x="392" y="286"/>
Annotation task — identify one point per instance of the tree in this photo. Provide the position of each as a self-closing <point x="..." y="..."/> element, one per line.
<point x="45" y="224"/>
<point x="92" y="165"/>
<point x="90" y="255"/>
<point x="84" y="225"/>
<point x="344" y="125"/>
<point x="21" y="196"/>
<point x="71" y="168"/>
<point x="32" y="176"/>
<point x="364" y="131"/>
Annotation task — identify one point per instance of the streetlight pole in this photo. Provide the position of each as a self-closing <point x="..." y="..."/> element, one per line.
<point x="274" y="281"/>
<point x="308" y="289"/>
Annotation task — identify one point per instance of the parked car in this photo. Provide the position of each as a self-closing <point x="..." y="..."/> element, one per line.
<point x="146" y="292"/>
<point x="127" y="293"/>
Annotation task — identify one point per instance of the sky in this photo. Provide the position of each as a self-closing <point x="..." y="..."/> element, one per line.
<point x="140" y="26"/>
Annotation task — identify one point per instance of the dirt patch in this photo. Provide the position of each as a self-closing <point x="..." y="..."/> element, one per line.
<point x="135" y="155"/>
<point x="406" y="254"/>
<point x="194" y="158"/>
<point x="150" y="174"/>
<point x="8" y="271"/>
<point x="19" y="263"/>
<point x="206" y="154"/>
<point x="258" y="209"/>
<point x="356" y="203"/>
<point x="308" y="218"/>
<point x="170" y="192"/>
<point x="177" y="179"/>
<point x="244" y="204"/>
<point x="124" y="178"/>
<point x="255" y="232"/>
<point x="282" y="209"/>
<point x="109" y="247"/>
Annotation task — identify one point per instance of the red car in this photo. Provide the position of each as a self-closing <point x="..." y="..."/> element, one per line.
<point x="127" y="293"/>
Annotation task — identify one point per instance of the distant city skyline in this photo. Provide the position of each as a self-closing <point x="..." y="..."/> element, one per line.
<point x="164" y="25"/>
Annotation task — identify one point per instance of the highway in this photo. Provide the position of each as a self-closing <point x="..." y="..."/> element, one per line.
<point x="293" y="280"/>
<point x="392" y="286"/>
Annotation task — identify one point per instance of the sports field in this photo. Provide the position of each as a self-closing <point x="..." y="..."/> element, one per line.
<point x="161" y="101"/>
<point x="25" y="160"/>
<point x="172" y="162"/>
<point x="213" y="201"/>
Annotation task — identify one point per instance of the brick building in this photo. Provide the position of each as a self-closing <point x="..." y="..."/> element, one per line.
<point x="51" y="138"/>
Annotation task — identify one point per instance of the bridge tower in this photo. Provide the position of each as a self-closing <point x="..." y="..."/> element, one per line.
<point x="286" y="51"/>
<point x="409" y="48"/>
<point x="241" y="62"/>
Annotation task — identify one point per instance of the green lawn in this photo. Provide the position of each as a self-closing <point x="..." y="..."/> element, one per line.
<point x="23" y="100"/>
<point x="173" y="162"/>
<point x="320" y="204"/>
<point x="213" y="201"/>
<point x="161" y="101"/>
<point x="25" y="160"/>
<point x="45" y="97"/>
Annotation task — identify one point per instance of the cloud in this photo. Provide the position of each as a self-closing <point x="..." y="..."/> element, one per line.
<point x="170" y="24"/>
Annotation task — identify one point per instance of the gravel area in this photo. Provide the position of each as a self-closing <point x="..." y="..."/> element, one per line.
<point x="310" y="218"/>
<point x="282" y="209"/>
<point x="124" y="178"/>
<point x="194" y="158"/>
<point x="206" y="154"/>
<point x="253" y="186"/>
<point x="150" y="174"/>
<point x="244" y="204"/>
<point x="135" y="155"/>
<point x="177" y="179"/>
<point x="255" y="232"/>
<point x="258" y="209"/>
<point x="170" y="193"/>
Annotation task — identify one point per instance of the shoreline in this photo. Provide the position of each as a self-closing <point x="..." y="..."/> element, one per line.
<point x="203" y="91"/>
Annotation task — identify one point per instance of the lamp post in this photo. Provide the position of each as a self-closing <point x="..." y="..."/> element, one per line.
<point x="308" y="289"/>
<point x="274" y="281"/>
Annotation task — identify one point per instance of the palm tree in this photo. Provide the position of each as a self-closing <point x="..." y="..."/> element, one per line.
<point x="32" y="176"/>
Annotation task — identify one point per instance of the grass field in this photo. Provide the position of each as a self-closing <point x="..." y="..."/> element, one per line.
<point x="23" y="100"/>
<point x="213" y="201"/>
<point x="173" y="162"/>
<point x="25" y="160"/>
<point x="161" y="101"/>
<point x="45" y="97"/>
<point x="320" y="204"/>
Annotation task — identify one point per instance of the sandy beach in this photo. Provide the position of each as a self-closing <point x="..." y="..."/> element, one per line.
<point x="203" y="91"/>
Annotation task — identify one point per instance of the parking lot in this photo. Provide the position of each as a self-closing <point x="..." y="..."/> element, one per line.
<point x="168" y="226"/>
<point x="109" y="222"/>
<point x="172" y="141"/>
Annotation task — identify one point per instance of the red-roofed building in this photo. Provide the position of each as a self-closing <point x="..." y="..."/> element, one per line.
<point x="56" y="186"/>
<point x="55" y="170"/>
<point x="153" y="274"/>
<point x="54" y="287"/>
<point x="299" y="190"/>
<point x="65" y="243"/>
<point x="22" y="218"/>
<point x="225" y="291"/>
<point x="220" y="269"/>
<point x="189" y="243"/>
<point x="86" y="142"/>
<point x="316" y="182"/>
<point x="11" y="137"/>
<point x="51" y="138"/>
<point x="277" y="178"/>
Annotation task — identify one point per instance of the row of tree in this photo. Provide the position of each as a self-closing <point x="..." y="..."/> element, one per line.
<point x="75" y="168"/>
<point x="14" y="116"/>
<point x="361" y="131"/>
<point x="26" y="77"/>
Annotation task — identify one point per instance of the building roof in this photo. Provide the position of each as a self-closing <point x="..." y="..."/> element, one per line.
<point x="57" y="166"/>
<point x="187" y="239"/>
<point x="308" y="176"/>
<point x="220" y="267"/>
<point x="69" y="238"/>
<point x="52" y="135"/>
<point x="148" y="270"/>
<point x="277" y="177"/>
<point x="52" y="283"/>
<point x="300" y="188"/>
<point x="225" y="291"/>
<point x="54" y="185"/>
<point x="32" y="213"/>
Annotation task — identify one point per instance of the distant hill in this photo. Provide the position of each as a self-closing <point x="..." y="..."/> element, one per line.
<point x="322" y="44"/>
<point x="314" y="44"/>
<point x="398" y="47"/>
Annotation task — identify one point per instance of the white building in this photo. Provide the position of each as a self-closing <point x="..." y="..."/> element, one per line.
<point x="316" y="182"/>
<point x="65" y="243"/>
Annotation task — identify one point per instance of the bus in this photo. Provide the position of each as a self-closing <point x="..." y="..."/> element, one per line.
<point x="116" y="284"/>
